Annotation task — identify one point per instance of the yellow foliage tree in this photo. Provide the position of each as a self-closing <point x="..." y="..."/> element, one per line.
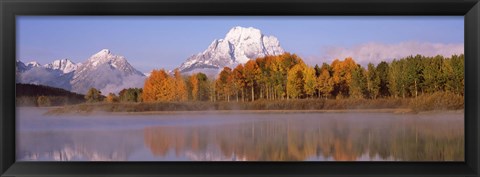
<point x="309" y="81"/>
<point x="295" y="81"/>
<point x="325" y="83"/>
<point x="181" y="93"/>
<point x="195" y="87"/>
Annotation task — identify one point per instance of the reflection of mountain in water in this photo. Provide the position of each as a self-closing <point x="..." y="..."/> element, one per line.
<point x="322" y="139"/>
<point x="78" y="145"/>
<point x="79" y="153"/>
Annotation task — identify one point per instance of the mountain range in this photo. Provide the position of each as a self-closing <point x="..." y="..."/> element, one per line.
<point x="104" y="70"/>
<point x="111" y="73"/>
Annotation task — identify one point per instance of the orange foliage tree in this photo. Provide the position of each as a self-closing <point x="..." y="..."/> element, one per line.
<point x="239" y="80"/>
<point x="342" y="76"/>
<point x="195" y="87"/>
<point x="223" y="83"/>
<point x="252" y="74"/>
<point x="181" y="93"/>
<point x="325" y="81"/>
<point x="159" y="86"/>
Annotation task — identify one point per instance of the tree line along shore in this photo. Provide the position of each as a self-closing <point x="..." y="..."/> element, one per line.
<point x="285" y="82"/>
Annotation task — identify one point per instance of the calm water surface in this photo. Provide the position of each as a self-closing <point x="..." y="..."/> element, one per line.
<point x="240" y="137"/>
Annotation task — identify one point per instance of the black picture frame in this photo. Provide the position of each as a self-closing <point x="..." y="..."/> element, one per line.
<point x="470" y="9"/>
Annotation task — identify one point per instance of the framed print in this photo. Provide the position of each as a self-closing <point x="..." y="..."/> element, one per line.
<point x="254" y="88"/>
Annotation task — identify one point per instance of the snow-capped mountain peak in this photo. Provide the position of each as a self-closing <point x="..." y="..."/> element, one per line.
<point x="105" y="56"/>
<point x="240" y="33"/>
<point x="64" y="65"/>
<point x="107" y="72"/>
<point x="104" y="53"/>
<point x="239" y="45"/>
<point x="33" y="64"/>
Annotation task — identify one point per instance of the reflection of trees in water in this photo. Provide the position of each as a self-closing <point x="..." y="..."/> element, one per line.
<point x="422" y="140"/>
<point x="301" y="139"/>
<point x="160" y="140"/>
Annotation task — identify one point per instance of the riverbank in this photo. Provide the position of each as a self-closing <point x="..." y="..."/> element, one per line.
<point x="393" y="105"/>
<point x="279" y="105"/>
<point x="396" y="111"/>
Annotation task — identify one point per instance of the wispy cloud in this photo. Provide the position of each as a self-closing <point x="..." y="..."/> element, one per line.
<point x="376" y="52"/>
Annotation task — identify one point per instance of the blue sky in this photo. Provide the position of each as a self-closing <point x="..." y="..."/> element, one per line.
<point x="150" y="42"/>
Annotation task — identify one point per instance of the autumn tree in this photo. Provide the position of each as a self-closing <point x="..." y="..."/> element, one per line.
<point x="200" y="87"/>
<point x="212" y="90"/>
<point x="159" y="86"/>
<point x="93" y="95"/>
<point x="309" y="81"/>
<point x="168" y="89"/>
<point x="194" y="83"/>
<point x="338" y="77"/>
<point x="278" y="78"/>
<point x="270" y="79"/>
<point x="358" y="86"/>
<point x="325" y="81"/>
<point x="264" y="78"/>
<point x="318" y="70"/>
<point x="342" y="76"/>
<point x="349" y="66"/>
<point x="287" y="76"/>
<point x="373" y="81"/>
<point x="280" y="66"/>
<point x="150" y="88"/>
<point x="224" y="83"/>
<point x="194" y="86"/>
<point x="239" y="82"/>
<point x="252" y="74"/>
<point x="181" y="93"/>
<point x="295" y="81"/>
<point x="111" y="98"/>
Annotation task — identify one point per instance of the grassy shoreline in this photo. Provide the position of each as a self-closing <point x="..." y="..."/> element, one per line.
<point x="55" y="111"/>
<point x="396" y="111"/>
<point x="392" y="105"/>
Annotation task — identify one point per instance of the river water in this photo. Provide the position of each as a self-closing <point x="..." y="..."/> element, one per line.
<point x="240" y="137"/>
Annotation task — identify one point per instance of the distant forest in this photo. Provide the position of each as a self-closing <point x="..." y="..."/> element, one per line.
<point x="40" y="95"/>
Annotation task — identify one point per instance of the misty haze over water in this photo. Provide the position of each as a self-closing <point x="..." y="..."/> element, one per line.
<point x="239" y="137"/>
